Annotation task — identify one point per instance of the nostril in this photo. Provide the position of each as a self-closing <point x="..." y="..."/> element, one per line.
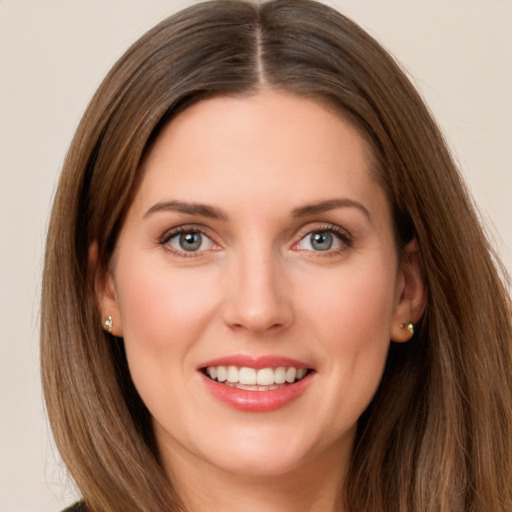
<point x="271" y="320"/>
<point x="256" y="302"/>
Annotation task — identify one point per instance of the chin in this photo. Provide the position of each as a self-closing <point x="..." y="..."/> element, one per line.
<point x="265" y="452"/>
<point x="260" y="466"/>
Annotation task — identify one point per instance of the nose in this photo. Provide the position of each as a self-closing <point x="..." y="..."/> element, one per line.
<point x="257" y="295"/>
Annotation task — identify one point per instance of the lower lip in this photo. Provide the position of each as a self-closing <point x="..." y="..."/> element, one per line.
<point x="257" y="401"/>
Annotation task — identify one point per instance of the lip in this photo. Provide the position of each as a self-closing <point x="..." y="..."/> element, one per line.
<point x="256" y="401"/>
<point x="268" y="361"/>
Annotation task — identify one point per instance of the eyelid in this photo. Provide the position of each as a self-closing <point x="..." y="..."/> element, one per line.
<point x="312" y="227"/>
<point x="164" y="239"/>
<point x="342" y="234"/>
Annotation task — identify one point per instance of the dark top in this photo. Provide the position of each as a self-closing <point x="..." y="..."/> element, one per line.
<point x="77" y="507"/>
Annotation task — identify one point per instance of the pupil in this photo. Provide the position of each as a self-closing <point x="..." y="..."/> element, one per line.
<point x="190" y="241"/>
<point x="321" y="241"/>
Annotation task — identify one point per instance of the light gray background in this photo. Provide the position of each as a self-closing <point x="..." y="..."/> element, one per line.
<point x="53" y="54"/>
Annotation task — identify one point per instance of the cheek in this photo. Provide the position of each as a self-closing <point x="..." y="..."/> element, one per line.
<point x="351" y="305"/>
<point x="165" y="315"/>
<point x="351" y="323"/>
<point x="162" y="311"/>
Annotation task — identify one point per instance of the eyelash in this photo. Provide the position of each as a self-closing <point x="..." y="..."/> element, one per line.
<point x="343" y="236"/>
<point x="169" y="235"/>
<point x="340" y="234"/>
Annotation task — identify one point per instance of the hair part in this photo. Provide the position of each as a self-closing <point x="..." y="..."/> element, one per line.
<point x="437" y="435"/>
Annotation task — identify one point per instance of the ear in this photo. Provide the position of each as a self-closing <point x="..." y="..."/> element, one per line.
<point x="410" y="294"/>
<point x="105" y="292"/>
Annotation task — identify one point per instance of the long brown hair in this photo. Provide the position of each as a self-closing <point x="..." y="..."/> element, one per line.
<point x="438" y="434"/>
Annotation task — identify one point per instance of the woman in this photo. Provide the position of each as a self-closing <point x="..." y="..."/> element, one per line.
<point x="255" y="203"/>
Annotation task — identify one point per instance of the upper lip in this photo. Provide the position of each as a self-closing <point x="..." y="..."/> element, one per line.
<point x="257" y="362"/>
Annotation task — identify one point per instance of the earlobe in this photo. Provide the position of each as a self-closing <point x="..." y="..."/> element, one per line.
<point x="105" y="294"/>
<point x="410" y="295"/>
<point x="108" y="324"/>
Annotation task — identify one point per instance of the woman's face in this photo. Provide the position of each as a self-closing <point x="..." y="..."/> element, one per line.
<point x="258" y="251"/>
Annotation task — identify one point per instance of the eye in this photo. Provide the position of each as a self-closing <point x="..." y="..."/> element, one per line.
<point x="323" y="240"/>
<point x="187" y="241"/>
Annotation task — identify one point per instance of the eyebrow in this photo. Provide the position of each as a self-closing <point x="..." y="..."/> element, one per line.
<point x="211" y="212"/>
<point x="203" y="210"/>
<point x="330" y="204"/>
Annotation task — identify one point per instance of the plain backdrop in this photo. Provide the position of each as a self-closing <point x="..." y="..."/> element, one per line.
<point x="53" y="54"/>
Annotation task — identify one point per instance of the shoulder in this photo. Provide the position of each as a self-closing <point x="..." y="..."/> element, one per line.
<point x="77" y="507"/>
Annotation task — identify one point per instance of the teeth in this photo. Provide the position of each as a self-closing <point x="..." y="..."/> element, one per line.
<point x="291" y="373"/>
<point x="247" y="376"/>
<point x="212" y="372"/>
<point x="232" y="374"/>
<point x="252" y="379"/>
<point x="221" y="373"/>
<point x="301" y="373"/>
<point x="265" y="377"/>
<point x="280" y="375"/>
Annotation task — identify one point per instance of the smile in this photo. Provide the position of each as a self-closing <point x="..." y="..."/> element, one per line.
<point x="256" y="384"/>
<point x="253" y="379"/>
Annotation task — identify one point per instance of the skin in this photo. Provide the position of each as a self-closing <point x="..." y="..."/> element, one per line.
<point x="257" y="286"/>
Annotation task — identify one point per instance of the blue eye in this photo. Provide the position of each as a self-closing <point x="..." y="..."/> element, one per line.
<point x="189" y="241"/>
<point x="322" y="240"/>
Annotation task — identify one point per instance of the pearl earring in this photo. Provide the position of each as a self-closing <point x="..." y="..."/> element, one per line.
<point x="409" y="326"/>
<point x="108" y="324"/>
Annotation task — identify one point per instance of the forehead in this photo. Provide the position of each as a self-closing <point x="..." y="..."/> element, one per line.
<point x="271" y="146"/>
